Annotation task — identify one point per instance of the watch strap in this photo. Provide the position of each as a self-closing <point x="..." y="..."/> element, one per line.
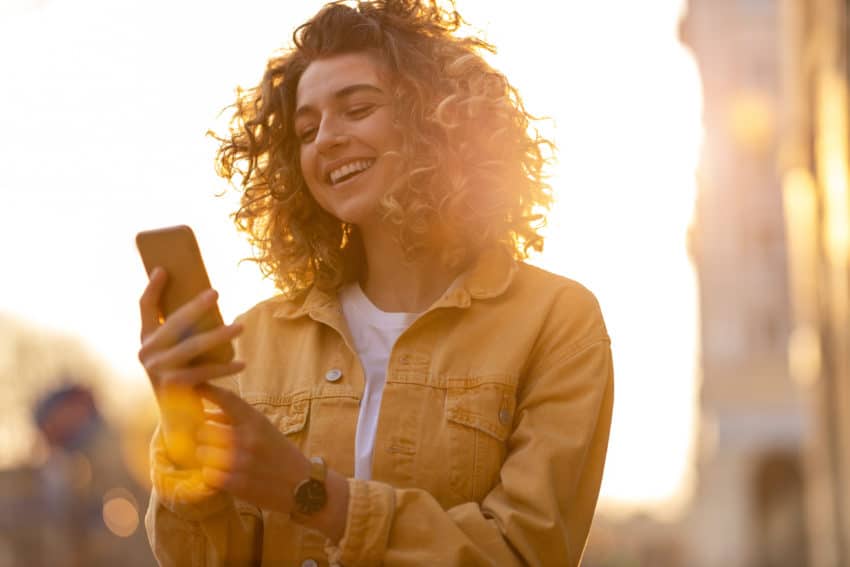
<point x="318" y="469"/>
<point x="311" y="493"/>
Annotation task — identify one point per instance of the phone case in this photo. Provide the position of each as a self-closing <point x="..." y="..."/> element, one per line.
<point x="176" y="250"/>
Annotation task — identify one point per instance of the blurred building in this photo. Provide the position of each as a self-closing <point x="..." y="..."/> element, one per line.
<point x="748" y="507"/>
<point x="813" y="164"/>
<point x="771" y="240"/>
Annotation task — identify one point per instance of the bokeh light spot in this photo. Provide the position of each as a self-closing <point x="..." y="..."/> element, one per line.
<point x="120" y="512"/>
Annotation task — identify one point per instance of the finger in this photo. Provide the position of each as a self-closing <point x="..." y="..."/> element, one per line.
<point x="222" y="479"/>
<point x="216" y="416"/>
<point x="215" y="435"/>
<point x="178" y="325"/>
<point x="214" y="477"/>
<point x="191" y="376"/>
<point x="149" y="301"/>
<point x="183" y="353"/>
<point x="215" y="457"/>
<point x="237" y="409"/>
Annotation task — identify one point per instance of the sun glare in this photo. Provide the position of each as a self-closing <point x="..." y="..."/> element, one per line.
<point x="625" y="185"/>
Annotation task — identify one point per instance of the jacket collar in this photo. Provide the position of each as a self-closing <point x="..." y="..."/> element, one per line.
<point x="489" y="277"/>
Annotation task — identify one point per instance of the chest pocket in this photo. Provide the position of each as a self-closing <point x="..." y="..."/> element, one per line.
<point x="480" y="414"/>
<point x="288" y="413"/>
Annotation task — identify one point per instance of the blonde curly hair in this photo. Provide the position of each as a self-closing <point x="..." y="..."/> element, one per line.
<point x="474" y="166"/>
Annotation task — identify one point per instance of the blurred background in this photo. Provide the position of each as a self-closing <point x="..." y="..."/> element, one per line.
<point x="702" y="194"/>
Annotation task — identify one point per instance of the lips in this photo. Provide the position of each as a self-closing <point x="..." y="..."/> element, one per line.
<point x="348" y="170"/>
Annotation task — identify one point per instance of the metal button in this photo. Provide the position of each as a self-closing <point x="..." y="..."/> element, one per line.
<point x="333" y="374"/>
<point x="504" y="416"/>
<point x="309" y="563"/>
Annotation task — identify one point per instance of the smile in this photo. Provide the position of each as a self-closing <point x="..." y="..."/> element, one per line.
<point x="349" y="170"/>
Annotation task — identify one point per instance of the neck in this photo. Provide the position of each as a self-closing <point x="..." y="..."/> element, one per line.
<point x="395" y="284"/>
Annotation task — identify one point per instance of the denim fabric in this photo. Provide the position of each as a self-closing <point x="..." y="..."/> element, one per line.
<point x="490" y="445"/>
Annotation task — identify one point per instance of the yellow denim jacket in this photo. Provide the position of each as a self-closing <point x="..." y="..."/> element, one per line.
<point x="490" y="445"/>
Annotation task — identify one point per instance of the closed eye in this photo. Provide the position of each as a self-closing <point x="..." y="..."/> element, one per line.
<point x="307" y="135"/>
<point x="361" y="111"/>
<point x="357" y="112"/>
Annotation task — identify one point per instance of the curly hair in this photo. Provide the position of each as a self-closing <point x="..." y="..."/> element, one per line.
<point x="473" y="165"/>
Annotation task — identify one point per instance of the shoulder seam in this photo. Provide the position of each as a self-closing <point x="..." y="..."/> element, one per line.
<point x="578" y="349"/>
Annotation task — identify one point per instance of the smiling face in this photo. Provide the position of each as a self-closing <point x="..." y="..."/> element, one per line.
<point x="344" y="122"/>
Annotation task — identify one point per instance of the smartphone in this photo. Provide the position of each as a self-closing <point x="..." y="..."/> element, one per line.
<point x="176" y="250"/>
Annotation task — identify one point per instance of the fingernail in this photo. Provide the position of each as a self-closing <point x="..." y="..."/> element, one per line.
<point x="210" y="294"/>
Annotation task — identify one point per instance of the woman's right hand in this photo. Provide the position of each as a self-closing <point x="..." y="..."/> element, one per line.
<point x="168" y="347"/>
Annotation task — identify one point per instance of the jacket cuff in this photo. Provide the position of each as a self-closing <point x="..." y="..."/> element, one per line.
<point x="183" y="491"/>
<point x="371" y="507"/>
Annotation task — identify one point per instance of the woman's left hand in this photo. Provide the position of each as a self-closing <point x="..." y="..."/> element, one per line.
<point x="242" y="453"/>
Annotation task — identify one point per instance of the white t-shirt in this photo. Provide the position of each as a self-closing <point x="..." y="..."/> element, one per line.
<point x="374" y="333"/>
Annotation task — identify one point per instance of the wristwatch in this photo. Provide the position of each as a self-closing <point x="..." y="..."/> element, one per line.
<point x="311" y="494"/>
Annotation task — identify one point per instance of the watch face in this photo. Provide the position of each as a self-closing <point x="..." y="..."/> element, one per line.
<point x="310" y="496"/>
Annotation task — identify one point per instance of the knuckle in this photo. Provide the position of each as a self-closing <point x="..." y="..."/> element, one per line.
<point x="146" y="352"/>
<point x="154" y="362"/>
<point x="147" y="348"/>
<point x="144" y="349"/>
<point x="149" y="367"/>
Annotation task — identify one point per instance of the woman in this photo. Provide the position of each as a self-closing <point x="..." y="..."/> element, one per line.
<point x="416" y="395"/>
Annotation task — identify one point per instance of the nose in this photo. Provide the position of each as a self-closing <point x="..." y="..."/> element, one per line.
<point x="329" y="136"/>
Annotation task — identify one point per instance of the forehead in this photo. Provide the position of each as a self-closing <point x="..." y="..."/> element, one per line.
<point x="329" y="75"/>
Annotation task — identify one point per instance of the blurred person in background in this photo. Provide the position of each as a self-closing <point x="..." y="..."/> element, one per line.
<point x="417" y="395"/>
<point x="90" y="508"/>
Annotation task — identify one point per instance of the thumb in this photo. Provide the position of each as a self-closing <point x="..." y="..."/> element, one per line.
<point x="234" y="407"/>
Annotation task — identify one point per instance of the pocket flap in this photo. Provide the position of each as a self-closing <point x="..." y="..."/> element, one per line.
<point x="287" y="413"/>
<point x="488" y="407"/>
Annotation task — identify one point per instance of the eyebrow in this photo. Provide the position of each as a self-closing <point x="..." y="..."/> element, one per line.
<point x="340" y="94"/>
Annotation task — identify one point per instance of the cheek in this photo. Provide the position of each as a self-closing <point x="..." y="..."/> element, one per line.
<point x="307" y="170"/>
<point x="304" y="161"/>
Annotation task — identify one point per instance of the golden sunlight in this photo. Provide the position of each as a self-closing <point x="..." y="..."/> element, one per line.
<point x="628" y="137"/>
<point x="622" y="101"/>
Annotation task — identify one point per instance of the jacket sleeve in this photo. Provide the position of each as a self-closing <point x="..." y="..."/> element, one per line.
<point x="540" y="511"/>
<point x="189" y="523"/>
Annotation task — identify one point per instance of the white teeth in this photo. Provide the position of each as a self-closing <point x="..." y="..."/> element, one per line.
<point x="349" y="168"/>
